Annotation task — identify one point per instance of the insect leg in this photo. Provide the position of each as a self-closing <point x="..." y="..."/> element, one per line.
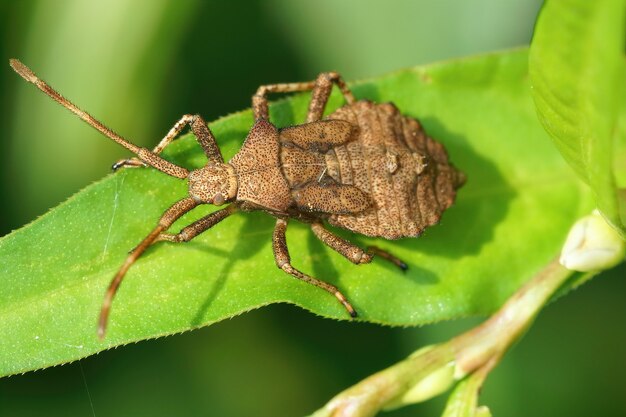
<point x="283" y="261"/>
<point x="321" y="93"/>
<point x="169" y="217"/>
<point x="373" y="250"/>
<point x="350" y="251"/>
<point x="199" y="226"/>
<point x="200" y="130"/>
<point x="144" y="154"/>
<point x="259" y="99"/>
<point x="321" y="88"/>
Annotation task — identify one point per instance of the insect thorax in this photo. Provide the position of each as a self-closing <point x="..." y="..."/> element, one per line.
<point x="260" y="179"/>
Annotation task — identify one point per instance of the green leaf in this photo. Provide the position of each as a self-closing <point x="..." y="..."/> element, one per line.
<point x="577" y="76"/>
<point x="510" y="219"/>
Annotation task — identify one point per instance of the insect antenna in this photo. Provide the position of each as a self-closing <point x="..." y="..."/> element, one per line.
<point x="144" y="154"/>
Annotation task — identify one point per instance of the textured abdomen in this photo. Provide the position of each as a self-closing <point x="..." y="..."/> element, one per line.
<point x="406" y="174"/>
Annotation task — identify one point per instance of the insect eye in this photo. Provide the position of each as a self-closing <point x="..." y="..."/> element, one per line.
<point x="218" y="199"/>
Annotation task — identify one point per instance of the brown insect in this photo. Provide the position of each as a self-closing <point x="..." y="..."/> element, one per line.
<point x="365" y="167"/>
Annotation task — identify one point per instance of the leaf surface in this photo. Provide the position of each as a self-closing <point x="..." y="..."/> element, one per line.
<point x="577" y="74"/>
<point x="509" y="220"/>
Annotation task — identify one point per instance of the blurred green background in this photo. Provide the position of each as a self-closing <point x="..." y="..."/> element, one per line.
<point x="140" y="65"/>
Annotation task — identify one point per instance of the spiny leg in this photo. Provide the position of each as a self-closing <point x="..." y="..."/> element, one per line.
<point x="350" y="251"/>
<point x="167" y="219"/>
<point x="321" y="93"/>
<point x="144" y="154"/>
<point x="259" y="99"/>
<point x="199" y="129"/>
<point x="283" y="261"/>
<point x="321" y="87"/>
<point x="374" y="250"/>
<point x="197" y="227"/>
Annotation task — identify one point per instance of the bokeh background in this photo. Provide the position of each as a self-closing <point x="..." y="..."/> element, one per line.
<point x="138" y="66"/>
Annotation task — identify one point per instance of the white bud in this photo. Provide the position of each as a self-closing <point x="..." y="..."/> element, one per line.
<point x="483" y="411"/>
<point x="592" y="245"/>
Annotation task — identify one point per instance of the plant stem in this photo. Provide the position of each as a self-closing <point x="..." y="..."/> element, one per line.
<point x="492" y="338"/>
<point x="432" y="370"/>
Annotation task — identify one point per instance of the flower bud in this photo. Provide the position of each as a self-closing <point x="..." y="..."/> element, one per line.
<point x="592" y="245"/>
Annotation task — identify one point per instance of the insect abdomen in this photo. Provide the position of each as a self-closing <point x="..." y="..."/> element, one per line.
<point x="406" y="174"/>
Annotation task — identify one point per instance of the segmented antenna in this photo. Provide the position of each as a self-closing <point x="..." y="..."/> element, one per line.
<point x="144" y="154"/>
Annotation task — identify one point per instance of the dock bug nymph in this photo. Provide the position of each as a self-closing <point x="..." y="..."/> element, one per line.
<point x="365" y="167"/>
